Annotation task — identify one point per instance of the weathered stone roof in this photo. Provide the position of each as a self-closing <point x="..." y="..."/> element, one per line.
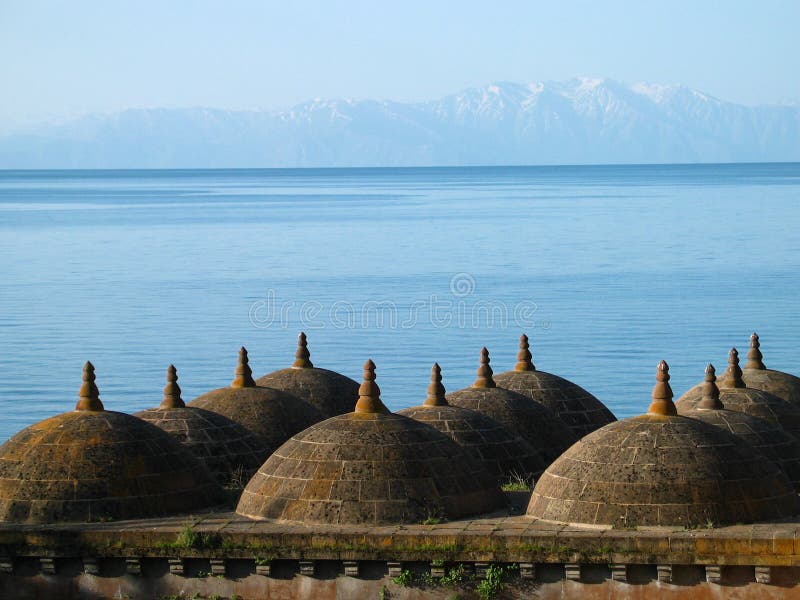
<point x="756" y="375"/>
<point x="735" y="395"/>
<point x="577" y="408"/>
<point x="769" y="438"/>
<point x="661" y="469"/>
<point x="272" y="415"/>
<point x="330" y="392"/>
<point x="503" y="452"/>
<point x="229" y="451"/>
<point x="92" y="464"/>
<point x="369" y="466"/>
<point x="534" y="422"/>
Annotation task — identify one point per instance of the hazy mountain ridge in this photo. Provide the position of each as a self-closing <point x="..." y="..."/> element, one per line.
<point x="577" y="121"/>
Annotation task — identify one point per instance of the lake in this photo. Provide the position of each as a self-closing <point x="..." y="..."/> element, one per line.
<point x="608" y="269"/>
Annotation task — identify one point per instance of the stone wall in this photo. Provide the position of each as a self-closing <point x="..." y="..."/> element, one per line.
<point x="223" y="555"/>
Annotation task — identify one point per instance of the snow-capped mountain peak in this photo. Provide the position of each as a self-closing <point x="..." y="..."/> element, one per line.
<point x="582" y="120"/>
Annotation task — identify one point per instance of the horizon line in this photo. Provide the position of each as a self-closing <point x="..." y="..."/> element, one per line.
<point x="401" y="168"/>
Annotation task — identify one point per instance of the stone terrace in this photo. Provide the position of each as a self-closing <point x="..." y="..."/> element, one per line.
<point x="495" y="538"/>
<point x="229" y="556"/>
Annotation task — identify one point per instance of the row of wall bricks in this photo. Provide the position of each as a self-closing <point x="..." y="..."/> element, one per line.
<point x="572" y="571"/>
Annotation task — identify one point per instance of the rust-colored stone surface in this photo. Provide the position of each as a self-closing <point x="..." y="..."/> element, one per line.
<point x="230" y="452"/>
<point x="93" y="464"/>
<point x="272" y="415"/>
<point x="532" y="421"/>
<point x="736" y="395"/>
<point x="577" y="408"/>
<point x="663" y="470"/>
<point x="767" y="437"/>
<point x="503" y="452"/>
<point x="329" y="392"/>
<point x="372" y="467"/>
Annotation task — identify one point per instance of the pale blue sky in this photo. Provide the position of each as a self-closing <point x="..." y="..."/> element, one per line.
<point x="65" y="58"/>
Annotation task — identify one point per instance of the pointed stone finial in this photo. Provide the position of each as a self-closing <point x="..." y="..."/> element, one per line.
<point x="302" y="358"/>
<point x="89" y="395"/>
<point x="485" y="372"/>
<point x="524" y="356"/>
<point x="710" y="400"/>
<point x="172" y="391"/>
<point x="733" y="376"/>
<point x="662" y="393"/>
<point x="754" y="356"/>
<point x="244" y="375"/>
<point x="369" y="394"/>
<point x="436" y="389"/>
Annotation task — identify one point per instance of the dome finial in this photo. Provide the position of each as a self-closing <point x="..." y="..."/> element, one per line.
<point x="302" y="358"/>
<point x="172" y="391"/>
<point x="662" y="393"/>
<point x="734" y="373"/>
<point x="369" y="394"/>
<point x="524" y="356"/>
<point x="244" y="374"/>
<point x="89" y="395"/>
<point x="435" y="389"/>
<point x="754" y="356"/>
<point x="485" y="372"/>
<point x="710" y="400"/>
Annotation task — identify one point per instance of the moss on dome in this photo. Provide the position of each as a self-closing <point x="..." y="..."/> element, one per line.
<point x="92" y="464"/>
<point x="369" y="466"/>
<point x="662" y="469"/>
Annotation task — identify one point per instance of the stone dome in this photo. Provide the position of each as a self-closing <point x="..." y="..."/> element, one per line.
<point x="757" y="376"/>
<point x="735" y="395"/>
<point x="369" y="466"/>
<point x="92" y="464"/>
<point x="230" y="452"/>
<point x="330" y="392"/>
<point x="272" y="415"/>
<point x="768" y="438"/>
<point x="577" y="408"/>
<point x="503" y="452"/>
<point x="662" y="469"/>
<point x="532" y="421"/>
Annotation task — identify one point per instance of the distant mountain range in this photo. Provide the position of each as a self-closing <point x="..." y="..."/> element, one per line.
<point x="581" y="121"/>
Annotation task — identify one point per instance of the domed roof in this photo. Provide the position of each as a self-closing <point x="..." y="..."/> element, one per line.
<point x="735" y="395"/>
<point x="503" y="452"/>
<point x="768" y="438"/>
<point x="330" y="392"/>
<point x="534" y="423"/>
<point x="369" y="466"/>
<point x="756" y="375"/>
<point x="92" y="464"/>
<point x="662" y="469"/>
<point x="272" y="415"/>
<point x="229" y="451"/>
<point x="577" y="408"/>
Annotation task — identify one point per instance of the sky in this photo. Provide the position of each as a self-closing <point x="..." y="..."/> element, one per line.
<point x="62" y="59"/>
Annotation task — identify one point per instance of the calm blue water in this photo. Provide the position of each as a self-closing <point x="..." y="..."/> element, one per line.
<point x="608" y="269"/>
